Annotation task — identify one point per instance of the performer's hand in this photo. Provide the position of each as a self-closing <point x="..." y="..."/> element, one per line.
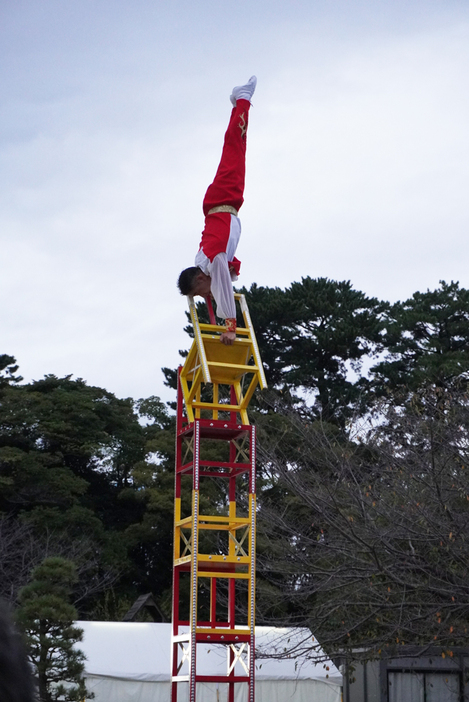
<point x="228" y="338"/>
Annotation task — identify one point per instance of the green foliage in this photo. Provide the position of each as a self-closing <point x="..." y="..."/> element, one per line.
<point x="150" y="495"/>
<point x="59" y="436"/>
<point x="72" y="462"/>
<point x="314" y="337"/>
<point x="8" y="368"/>
<point x="346" y="450"/>
<point x="427" y="338"/>
<point x="47" y="618"/>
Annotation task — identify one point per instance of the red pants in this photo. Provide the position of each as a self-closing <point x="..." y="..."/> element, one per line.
<point x="228" y="186"/>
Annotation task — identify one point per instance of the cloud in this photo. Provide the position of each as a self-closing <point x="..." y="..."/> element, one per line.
<point x="357" y="164"/>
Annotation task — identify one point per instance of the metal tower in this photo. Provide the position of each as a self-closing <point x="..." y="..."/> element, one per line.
<point x="215" y="512"/>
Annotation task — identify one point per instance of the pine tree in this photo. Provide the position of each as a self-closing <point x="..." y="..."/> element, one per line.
<point x="314" y="338"/>
<point x="427" y="338"/>
<point x="47" y="618"/>
<point x="8" y="369"/>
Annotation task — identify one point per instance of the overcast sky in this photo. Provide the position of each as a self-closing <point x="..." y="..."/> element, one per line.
<point x="113" y="115"/>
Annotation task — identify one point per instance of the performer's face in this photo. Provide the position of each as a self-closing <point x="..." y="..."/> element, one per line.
<point x="202" y="285"/>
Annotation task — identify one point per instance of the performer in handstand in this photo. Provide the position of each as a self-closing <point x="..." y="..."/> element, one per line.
<point x="215" y="263"/>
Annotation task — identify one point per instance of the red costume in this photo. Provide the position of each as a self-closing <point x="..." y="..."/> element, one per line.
<point x="222" y="201"/>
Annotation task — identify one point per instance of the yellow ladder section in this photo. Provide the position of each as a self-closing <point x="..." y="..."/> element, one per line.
<point x="219" y="378"/>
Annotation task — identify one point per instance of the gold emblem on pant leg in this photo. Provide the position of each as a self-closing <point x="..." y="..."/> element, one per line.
<point x="242" y="125"/>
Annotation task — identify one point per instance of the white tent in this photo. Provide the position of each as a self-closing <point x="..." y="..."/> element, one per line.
<point x="130" y="662"/>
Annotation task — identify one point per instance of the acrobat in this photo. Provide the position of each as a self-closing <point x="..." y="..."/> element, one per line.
<point x="216" y="265"/>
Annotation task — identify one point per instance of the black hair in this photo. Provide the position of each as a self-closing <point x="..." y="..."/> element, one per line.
<point x="187" y="279"/>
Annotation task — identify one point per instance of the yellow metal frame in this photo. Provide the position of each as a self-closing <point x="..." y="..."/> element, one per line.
<point x="216" y="385"/>
<point x="211" y="365"/>
<point x="231" y="559"/>
<point x="207" y="565"/>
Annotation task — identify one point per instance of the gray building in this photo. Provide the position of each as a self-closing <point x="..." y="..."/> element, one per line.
<point x="437" y="676"/>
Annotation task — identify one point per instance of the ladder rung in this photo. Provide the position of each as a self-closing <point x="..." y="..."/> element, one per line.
<point x="221" y="328"/>
<point x="222" y="574"/>
<point x="237" y="366"/>
<point x="216" y="406"/>
<point x="220" y="630"/>
<point x="232" y="560"/>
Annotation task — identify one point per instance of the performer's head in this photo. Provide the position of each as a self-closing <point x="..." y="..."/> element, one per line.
<point x="193" y="281"/>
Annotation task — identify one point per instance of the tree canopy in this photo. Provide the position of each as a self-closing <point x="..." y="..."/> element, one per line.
<point x="72" y="461"/>
<point x="362" y="487"/>
<point x="48" y="617"/>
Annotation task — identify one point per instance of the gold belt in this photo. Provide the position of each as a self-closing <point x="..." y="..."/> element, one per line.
<point x="224" y="208"/>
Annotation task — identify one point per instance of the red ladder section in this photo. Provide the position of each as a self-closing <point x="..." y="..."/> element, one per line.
<point x="214" y="556"/>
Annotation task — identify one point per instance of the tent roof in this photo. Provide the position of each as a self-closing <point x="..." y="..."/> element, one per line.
<point x="136" y="651"/>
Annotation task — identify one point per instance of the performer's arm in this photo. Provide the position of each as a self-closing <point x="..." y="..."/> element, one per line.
<point x="222" y="291"/>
